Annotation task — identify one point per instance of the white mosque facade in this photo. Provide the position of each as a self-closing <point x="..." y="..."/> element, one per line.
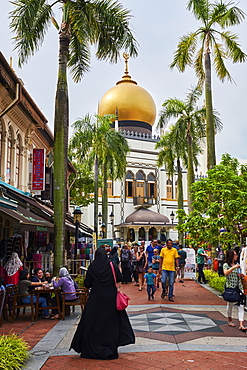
<point x="144" y="202"/>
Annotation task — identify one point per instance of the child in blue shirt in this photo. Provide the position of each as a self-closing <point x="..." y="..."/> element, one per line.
<point x="150" y="278"/>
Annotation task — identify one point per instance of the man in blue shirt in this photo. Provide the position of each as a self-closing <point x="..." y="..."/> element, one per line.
<point x="150" y="251"/>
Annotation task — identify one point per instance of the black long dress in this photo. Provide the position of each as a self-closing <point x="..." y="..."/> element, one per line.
<point x="102" y="328"/>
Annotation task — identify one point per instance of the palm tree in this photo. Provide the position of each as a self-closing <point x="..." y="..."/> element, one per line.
<point x="171" y="154"/>
<point x="95" y="142"/>
<point x="215" y="18"/>
<point x="191" y="122"/>
<point x="103" y="23"/>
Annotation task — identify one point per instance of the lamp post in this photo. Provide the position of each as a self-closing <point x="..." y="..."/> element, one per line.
<point x="112" y="219"/>
<point x="103" y="230"/>
<point x="172" y="216"/>
<point x="100" y="218"/>
<point x="77" y="219"/>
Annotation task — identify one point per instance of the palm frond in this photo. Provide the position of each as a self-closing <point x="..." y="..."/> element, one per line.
<point x="200" y="9"/>
<point x="233" y="47"/>
<point x="198" y="65"/>
<point x="218" y="61"/>
<point x="230" y="15"/>
<point x="184" y="54"/>
<point x="29" y="21"/>
<point x="113" y="33"/>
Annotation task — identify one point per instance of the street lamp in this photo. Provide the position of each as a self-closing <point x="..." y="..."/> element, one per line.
<point x="103" y="229"/>
<point x="112" y="219"/>
<point x="77" y="219"/>
<point x="172" y="216"/>
<point x="100" y="218"/>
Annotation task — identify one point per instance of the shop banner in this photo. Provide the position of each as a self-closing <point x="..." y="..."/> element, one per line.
<point x="38" y="170"/>
<point x="190" y="265"/>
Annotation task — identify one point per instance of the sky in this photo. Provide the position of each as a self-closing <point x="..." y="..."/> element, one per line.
<point x="157" y="25"/>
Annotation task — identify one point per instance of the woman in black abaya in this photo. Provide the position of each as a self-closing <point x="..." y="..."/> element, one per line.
<point x="102" y="328"/>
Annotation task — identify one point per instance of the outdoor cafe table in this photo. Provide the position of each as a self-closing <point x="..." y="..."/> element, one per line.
<point x="40" y="290"/>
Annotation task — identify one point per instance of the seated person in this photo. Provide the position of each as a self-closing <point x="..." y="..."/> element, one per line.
<point x="67" y="284"/>
<point x="24" y="284"/>
<point x="48" y="276"/>
<point x="38" y="277"/>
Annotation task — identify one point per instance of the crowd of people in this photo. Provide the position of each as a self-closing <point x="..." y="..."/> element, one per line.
<point x="103" y="328"/>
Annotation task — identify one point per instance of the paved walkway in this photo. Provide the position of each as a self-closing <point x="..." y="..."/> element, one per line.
<point x="191" y="333"/>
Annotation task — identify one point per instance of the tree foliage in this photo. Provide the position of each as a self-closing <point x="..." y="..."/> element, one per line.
<point x="210" y="46"/>
<point x="219" y="206"/>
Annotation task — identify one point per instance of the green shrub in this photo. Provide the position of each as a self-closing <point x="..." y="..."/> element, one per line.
<point x="13" y="352"/>
<point x="214" y="280"/>
<point x="80" y="280"/>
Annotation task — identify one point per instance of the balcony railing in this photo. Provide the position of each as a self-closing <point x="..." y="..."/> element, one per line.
<point x="144" y="201"/>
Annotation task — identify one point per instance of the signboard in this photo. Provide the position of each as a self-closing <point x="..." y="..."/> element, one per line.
<point x="190" y="265"/>
<point x="105" y="241"/>
<point x="38" y="169"/>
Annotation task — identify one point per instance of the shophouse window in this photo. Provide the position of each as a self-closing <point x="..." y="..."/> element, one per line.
<point x="9" y="155"/>
<point x="1" y="138"/>
<point x="18" y="153"/>
<point x="176" y="190"/>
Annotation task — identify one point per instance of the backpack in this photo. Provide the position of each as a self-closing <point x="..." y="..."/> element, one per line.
<point x="125" y="255"/>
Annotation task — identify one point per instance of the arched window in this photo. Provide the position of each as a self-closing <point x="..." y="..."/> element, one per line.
<point x="9" y="155"/>
<point x="129" y="184"/>
<point x="18" y="162"/>
<point x="176" y="190"/>
<point x="140" y="184"/>
<point x="131" y="235"/>
<point x="151" y="186"/>
<point x="142" y="235"/>
<point x="169" y="189"/>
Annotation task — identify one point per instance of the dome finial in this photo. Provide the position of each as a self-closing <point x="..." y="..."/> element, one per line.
<point x="126" y="77"/>
<point x="126" y="57"/>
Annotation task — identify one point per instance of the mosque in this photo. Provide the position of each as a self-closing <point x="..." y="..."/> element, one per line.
<point x="143" y="205"/>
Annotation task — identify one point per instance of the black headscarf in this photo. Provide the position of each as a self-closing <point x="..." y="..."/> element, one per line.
<point x="113" y="251"/>
<point x="100" y="269"/>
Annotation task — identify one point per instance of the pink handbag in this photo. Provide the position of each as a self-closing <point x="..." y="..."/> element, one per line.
<point x="122" y="299"/>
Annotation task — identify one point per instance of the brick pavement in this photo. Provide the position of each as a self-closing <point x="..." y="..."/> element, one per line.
<point x="188" y="297"/>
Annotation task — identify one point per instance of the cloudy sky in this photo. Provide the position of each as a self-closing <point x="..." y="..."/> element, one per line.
<point x="157" y="26"/>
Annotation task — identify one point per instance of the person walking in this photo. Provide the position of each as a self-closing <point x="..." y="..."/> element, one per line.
<point x="141" y="264"/>
<point x="220" y="258"/>
<point x="169" y="262"/>
<point x="155" y="266"/>
<point x="233" y="279"/>
<point x="125" y="259"/>
<point x="102" y="328"/>
<point x="150" y="251"/>
<point x="150" y="281"/>
<point x="182" y="260"/>
<point x="201" y="255"/>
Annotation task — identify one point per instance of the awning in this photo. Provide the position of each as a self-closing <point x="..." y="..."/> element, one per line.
<point x="28" y="221"/>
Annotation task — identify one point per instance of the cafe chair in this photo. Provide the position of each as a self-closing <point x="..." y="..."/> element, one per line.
<point x="18" y="304"/>
<point x="82" y="296"/>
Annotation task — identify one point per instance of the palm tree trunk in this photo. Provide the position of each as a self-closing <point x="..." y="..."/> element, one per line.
<point x="180" y="198"/>
<point x="105" y="199"/>
<point x="190" y="169"/>
<point x="96" y="197"/>
<point x="61" y="121"/>
<point x="210" y="130"/>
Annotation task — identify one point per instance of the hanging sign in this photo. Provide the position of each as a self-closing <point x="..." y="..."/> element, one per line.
<point x="38" y="170"/>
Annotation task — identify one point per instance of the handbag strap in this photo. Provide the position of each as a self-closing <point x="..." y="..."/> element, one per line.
<point x="113" y="272"/>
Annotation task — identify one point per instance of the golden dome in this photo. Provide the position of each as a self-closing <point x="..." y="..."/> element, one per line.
<point x="128" y="101"/>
